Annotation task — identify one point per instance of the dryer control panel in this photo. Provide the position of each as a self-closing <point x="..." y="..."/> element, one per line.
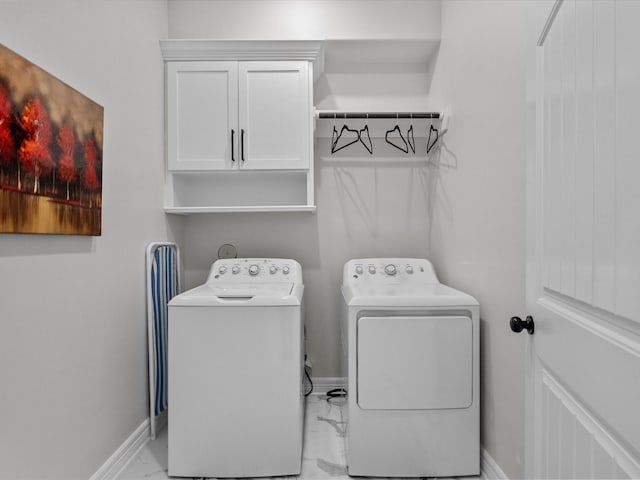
<point x="381" y="271"/>
<point x="259" y="270"/>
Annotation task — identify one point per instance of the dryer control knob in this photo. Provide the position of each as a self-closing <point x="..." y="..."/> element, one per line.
<point x="272" y="269"/>
<point x="235" y="270"/>
<point x="390" y="269"/>
<point x="285" y="270"/>
<point x="222" y="270"/>
<point x="254" y="270"/>
<point x="359" y="269"/>
<point x="372" y="269"/>
<point x="409" y="269"/>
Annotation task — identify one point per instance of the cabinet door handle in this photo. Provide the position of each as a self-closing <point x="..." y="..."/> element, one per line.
<point x="242" y="144"/>
<point x="232" y="138"/>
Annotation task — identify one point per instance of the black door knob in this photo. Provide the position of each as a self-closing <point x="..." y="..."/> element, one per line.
<point x="517" y="324"/>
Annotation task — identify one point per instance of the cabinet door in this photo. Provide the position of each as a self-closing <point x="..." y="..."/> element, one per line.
<point x="275" y="115"/>
<point x="202" y="115"/>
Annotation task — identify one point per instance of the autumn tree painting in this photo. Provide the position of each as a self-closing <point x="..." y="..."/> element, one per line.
<point x="50" y="153"/>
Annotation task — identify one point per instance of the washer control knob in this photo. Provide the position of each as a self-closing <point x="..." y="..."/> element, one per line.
<point x="285" y="270"/>
<point x="409" y="269"/>
<point x="272" y="269"/>
<point x="222" y="270"/>
<point x="359" y="269"/>
<point x="235" y="270"/>
<point x="372" y="269"/>
<point x="254" y="270"/>
<point x="390" y="269"/>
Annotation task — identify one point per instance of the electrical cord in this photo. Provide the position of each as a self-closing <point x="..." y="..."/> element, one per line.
<point x="307" y="377"/>
<point x="308" y="381"/>
<point x="336" y="393"/>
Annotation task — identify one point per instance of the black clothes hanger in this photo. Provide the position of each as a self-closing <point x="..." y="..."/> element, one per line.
<point x="429" y="144"/>
<point x="334" y="143"/>
<point x="402" y="147"/>
<point x="334" y="138"/>
<point x="367" y="144"/>
<point x="410" y="140"/>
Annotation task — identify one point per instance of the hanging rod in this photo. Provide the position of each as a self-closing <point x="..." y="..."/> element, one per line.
<point x="379" y="115"/>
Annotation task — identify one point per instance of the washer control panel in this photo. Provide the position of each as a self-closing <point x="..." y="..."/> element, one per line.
<point x="389" y="271"/>
<point x="246" y="270"/>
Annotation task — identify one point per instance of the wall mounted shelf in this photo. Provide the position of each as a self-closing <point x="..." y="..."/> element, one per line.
<point x="378" y="54"/>
<point x="240" y="209"/>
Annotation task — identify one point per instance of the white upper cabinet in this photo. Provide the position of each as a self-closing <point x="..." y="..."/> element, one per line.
<point x="253" y="115"/>
<point x="202" y="115"/>
<point x="240" y="125"/>
<point x="274" y="111"/>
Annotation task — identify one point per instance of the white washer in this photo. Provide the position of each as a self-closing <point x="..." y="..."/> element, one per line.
<point x="236" y="360"/>
<point x="410" y="347"/>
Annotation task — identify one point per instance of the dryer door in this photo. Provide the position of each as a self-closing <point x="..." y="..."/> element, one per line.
<point x="414" y="362"/>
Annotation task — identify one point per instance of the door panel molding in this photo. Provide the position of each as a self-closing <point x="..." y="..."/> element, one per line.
<point x="591" y="451"/>
<point x="601" y="323"/>
<point x="597" y="364"/>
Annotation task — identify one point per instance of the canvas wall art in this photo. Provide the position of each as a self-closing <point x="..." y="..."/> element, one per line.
<point x="51" y="139"/>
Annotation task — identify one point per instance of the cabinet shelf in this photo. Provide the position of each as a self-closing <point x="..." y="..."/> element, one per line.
<point x="248" y="191"/>
<point x="240" y="209"/>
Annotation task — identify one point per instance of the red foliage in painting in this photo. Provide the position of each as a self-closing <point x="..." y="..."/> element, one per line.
<point x="34" y="152"/>
<point x="67" y="142"/>
<point x="91" y="181"/>
<point x="7" y="146"/>
<point x="66" y="166"/>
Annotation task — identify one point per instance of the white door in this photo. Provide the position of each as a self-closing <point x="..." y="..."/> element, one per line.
<point x="202" y="115"/>
<point x="583" y="274"/>
<point x="275" y="115"/>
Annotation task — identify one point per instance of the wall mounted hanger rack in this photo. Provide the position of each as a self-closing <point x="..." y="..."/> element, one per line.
<point x="431" y="115"/>
<point x="349" y="128"/>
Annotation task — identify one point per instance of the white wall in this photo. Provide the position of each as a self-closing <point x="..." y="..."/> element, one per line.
<point x="73" y="379"/>
<point x="368" y="209"/>
<point x="304" y="20"/>
<point x="478" y="241"/>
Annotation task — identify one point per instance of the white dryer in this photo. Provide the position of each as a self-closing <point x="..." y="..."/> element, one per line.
<point x="236" y="360"/>
<point x="411" y="351"/>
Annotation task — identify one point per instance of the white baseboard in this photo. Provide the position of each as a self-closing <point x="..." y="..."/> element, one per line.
<point x="116" y="463"/>
<point x="489" y="468"/>
<point x="321" y="385"/>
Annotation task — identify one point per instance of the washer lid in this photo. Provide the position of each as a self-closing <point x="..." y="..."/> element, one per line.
<point x="277" y="290"/>
<point x="406" y="295"/>
<point x="230" y="294"/>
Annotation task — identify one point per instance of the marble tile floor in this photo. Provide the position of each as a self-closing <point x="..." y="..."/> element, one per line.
<point x="323" y="455"/>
